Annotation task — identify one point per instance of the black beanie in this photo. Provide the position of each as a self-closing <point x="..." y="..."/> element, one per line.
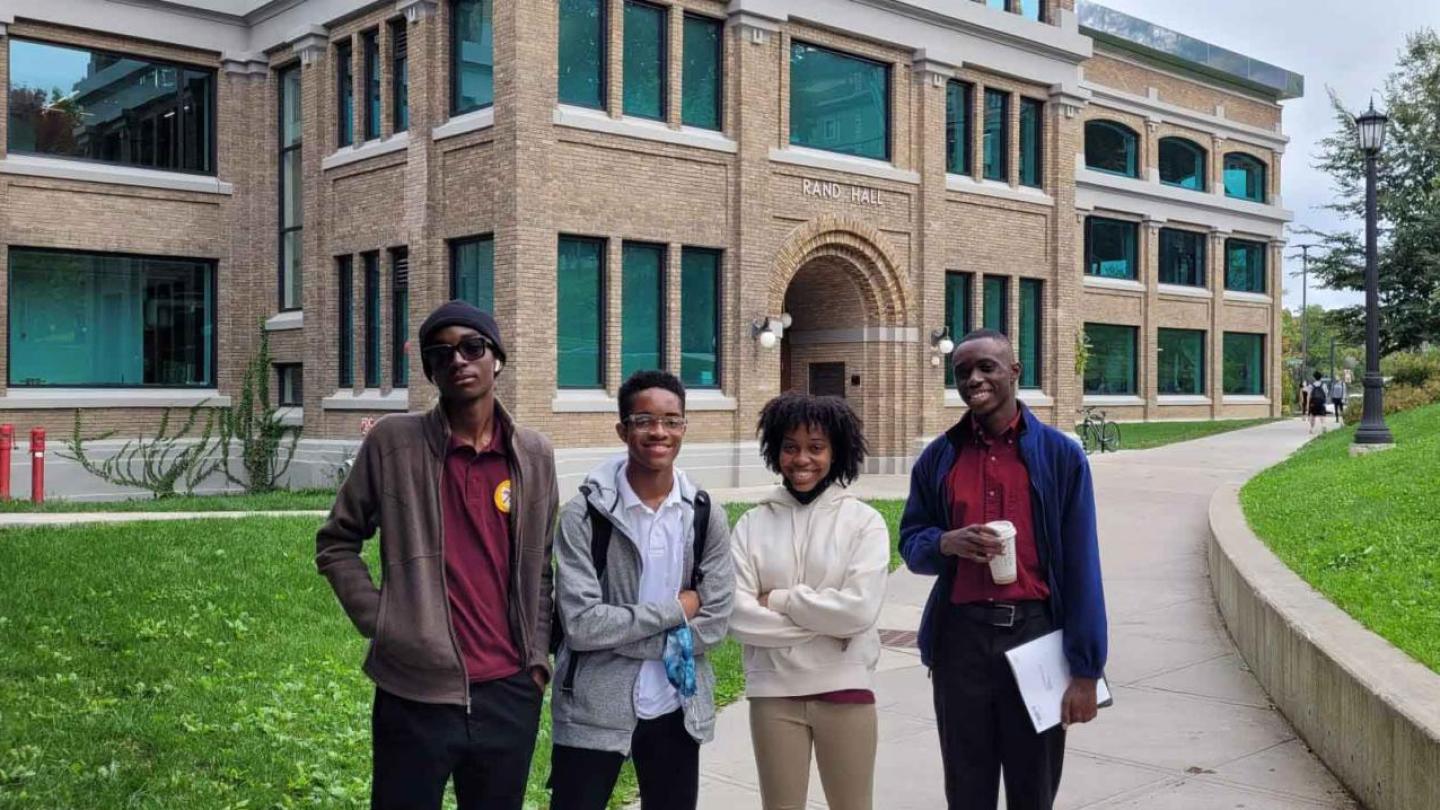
<point x="459" y="313"/>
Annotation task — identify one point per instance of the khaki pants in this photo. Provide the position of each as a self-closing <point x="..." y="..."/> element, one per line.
<point x="784" y="730"/>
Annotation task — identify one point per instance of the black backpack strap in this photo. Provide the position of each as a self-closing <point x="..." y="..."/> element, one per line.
<point x="702" y="530"/>
<point x="600" y="531"/>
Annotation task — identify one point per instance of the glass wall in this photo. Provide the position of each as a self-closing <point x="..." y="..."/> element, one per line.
<point x="292" y="209"/>
<point x="472" y="271"/>
<point x="1182" y="163"/>
<point x="700" y="317"/>
<point x="1181" y="362"/>
<point x="1032" y="116"/>
<point x="96" y="105"/>
<point x="1244" y="266"/>
<point x="838" y="102"/>
<point x="959" y="143"/>
<point x="96" y="319"/>
<point x="1244" y="364"/>
<point x="997" y="135"/>
<point x="579" y="313"/>
<point x="642" y="307"/>
<point x="1244" y="177"/>
<point x="1110" y="248"/>
<point x="582" y="53"/>
<point x="345" y="321"/>
<point x="1030" y="331"/>
<point x="1111" y="369"/>
<point x="472" y="55"/>
<point x="995" y="308"/>
<point x="372" y="319"/>
<point x="370" y="41"/>
<point x="645" y="65"/>
<point x="344" y="94"/>
<point x="1032" y="10"/>
<point x="400" y="75"/>
<point x="701" y="72"/>
<point x="959" y="287"/>
<point x="1182" y="257"/>
<point x="1111" y="147"/>
<point x="399" y="316"/>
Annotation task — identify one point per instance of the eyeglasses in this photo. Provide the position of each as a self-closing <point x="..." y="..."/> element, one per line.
<point x="441" y="355"/>
<point x="645" y="421"/>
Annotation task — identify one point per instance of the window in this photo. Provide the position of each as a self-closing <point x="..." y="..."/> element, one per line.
<point x="1244" y="266"/>
<point x="472" y="55"/>
<point x="472" y="271"/>
<point x="839" y="103"/>
<point x="1030" y="331"/>
<point x="646" y="68"/>
<point x="996" y="304"/>
<point x="1244" y="364"/>
<point x="370" y="41"/>
<point x="701" y="72"/>
<point x="959" y="144"/>
<point x="582" y="53"/>
<point x="1182" y="257"/>
<point x="291" y="203"/>
<point x="579" y="313"/>
<point x="700" y="317"/>
<point x="372" y="319"/>
<point x="101" y="319"/>
<point x="289" y="385"/>
<point x="1111" y="369"/>
<point x="345" y="333"/>
<point x="642" y="307"/>
<point x="1181" y="363"/>
<point x="399" y="316"/>
<point x="1182" y="163"/>
<point x="1111" y="147"/>
<point x="997" y="135"/>
<point x="1032" y="114"/>
<point x="1000" y="4"/>
<point x="959" y="287"/>
<point x="1244" y="177"/>
<point x="1032" y="10"/>
<point x="97" y="105"/>
<point x="1110" y="248"/>
<point x="399" y="75"/>
<point x="344" y="95"/>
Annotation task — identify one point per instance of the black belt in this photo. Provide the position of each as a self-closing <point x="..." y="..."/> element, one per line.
<point x="1002" y="614"/>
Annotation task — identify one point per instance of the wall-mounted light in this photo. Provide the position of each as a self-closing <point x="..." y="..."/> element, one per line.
<point x="940" y="339"/>
<point x="786" y="320"/>
<point x="760" y="330"/>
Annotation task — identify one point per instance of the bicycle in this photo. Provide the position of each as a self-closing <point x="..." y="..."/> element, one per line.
<point x="1096" y="432"/>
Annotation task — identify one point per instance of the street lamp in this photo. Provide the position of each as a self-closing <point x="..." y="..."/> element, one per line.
<point x="1372" y="433"/>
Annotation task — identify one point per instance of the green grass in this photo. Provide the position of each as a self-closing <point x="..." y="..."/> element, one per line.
<point x="1144" y="435"/>
<point x="1364" y="531"/>
<point x="284" y="500"/>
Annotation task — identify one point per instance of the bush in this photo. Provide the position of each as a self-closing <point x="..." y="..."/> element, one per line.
<point x="1399" y="398"/>
<point x="1413" y="369"/>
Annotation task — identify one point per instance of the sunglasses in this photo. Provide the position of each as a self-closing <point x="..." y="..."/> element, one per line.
<point x="441" y="355"/>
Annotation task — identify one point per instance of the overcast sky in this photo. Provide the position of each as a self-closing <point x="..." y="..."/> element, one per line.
<point x="1348" y="45"/>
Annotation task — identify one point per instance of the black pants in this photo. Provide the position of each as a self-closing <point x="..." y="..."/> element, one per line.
<point x="418" y="746"/>
<point x="667" y="765"/>
<point x="984" y="726"/>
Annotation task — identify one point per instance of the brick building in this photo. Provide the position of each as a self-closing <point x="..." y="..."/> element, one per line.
<point x="755" y="194"/>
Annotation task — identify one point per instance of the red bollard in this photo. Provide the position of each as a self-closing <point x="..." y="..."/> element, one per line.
<point x="37" y="465"/>
<point x="7" y="441"/>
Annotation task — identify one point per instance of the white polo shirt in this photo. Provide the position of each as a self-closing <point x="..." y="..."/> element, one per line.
<point x="660" y="536"/>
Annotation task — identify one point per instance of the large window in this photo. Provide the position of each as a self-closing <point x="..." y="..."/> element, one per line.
<point x="1112" y="147"/>
<point x="472" y="55"/>
<point x="1032" y="116"/>
<point x="370" y="41"/>
<point x="472" y="271"/>
<point x="582" y="53"/>
<point x="1181" y="363"/>
<point x="579" y="313"/>
<point x="700" y="317"/>
<point x="292" y="216"/>
<point x="1182" y="257"/>
<point x="995" y="308"/>
<point x="94" y="319"/>
<point x="1111" y="368"/>
<point x="959" y="288"/>
<point x="344" y="95"/>
<point x="1244" y="266"/>
<point x="399" y="75"/>
<point x="701" y="72"/>
<point x="997" y="135"/>
<point x="1244" y="363"/>
<point x="642" y="307"/>
<point x="399" y="316"/>
<point x="1182" y="163"/>
<point x="345" y="321"/>
<point x="959" y="141"/>
<point x="1110" y="248"/>
<point x="1244" y="177"/>
<point x="372" y="320"/>
<point x="838" y="102"/>
<point x="645" y="65"/>
<point x="1030" y="331"/>
<point x="96" y="105"/>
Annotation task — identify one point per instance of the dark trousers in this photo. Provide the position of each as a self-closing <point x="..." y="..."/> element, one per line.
<point x="984" y="726"/>
<point x="667" y="765"/>
<point x="419" y="746"/>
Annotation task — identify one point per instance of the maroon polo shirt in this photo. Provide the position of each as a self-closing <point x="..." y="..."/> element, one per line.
<point x="475" y="510"/>
<point x="990" y="482"/>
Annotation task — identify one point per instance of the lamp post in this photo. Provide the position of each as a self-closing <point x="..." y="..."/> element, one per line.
<point x="1372" y="433"/>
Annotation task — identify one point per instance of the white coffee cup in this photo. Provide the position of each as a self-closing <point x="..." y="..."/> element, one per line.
<point x="1003" y="565"/>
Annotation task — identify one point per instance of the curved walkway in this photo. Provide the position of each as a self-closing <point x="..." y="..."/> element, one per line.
<point x="1190" y="729"/>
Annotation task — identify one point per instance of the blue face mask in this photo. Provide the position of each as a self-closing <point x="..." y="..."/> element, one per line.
<point x="679" y="659"/>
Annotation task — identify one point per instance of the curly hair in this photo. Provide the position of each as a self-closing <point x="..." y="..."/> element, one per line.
<point x="640" y="381"/>
<point x="830" y="414"/>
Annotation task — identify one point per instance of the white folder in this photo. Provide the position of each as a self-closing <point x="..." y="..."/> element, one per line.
<point x="1043" y="675"/>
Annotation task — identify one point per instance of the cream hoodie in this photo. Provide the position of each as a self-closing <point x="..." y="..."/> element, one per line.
<point x="824" y="566"/>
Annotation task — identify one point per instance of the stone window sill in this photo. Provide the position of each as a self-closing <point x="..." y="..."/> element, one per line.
<point x="994" y="188"/>
<point x="1182" y="399"/>
<point x="567" y="115"/>
<point x="461" y="124"/>
<point x="291" y="319"/>
<point x="364" y="151"/>
<point x="1103" y="283"/>
<point x="1113" y="400"/>
<point x="832" y="161"/>
<point x="59" y="398"/>
<point x="584" y="401"/>
<point x="370" y="399"/>
<point x="1185" y="291"/>
<point x="63" y="169"/>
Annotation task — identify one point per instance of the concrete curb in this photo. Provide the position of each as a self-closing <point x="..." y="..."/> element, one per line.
<point x="1368" y="710"/>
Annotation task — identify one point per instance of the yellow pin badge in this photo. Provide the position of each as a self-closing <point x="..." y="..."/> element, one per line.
<point x="502" y="496"/>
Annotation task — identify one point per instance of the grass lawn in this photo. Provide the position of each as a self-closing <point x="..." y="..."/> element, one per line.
<point x="1364" y="531"/>
<point x="283" y="500"/>
<point x="1143" y="435"/>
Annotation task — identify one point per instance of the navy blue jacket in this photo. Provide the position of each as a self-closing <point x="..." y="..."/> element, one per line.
<point x="1062" y="499"/>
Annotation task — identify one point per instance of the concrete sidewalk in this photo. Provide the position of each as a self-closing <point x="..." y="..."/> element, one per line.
<point x="1190" y="727"/>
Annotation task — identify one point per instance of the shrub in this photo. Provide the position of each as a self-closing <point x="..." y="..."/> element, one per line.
<point x="1413" y="369"/>
<point x="1399" y="398"/>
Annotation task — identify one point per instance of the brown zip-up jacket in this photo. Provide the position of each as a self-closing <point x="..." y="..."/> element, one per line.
<point x="395" y="487"/>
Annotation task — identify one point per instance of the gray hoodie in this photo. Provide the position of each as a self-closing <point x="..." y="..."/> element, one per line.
<point x="612" y="634"/>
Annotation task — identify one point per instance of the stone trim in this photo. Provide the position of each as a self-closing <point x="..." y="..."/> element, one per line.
<point x="291" y="416"/>
<point x="285" y="321"/>
<point x="831" y="161"/>
<point x="1245" y="399"/>
<point x="1035" y="398"/>
<point x="461" y="124"/>
<point x="599" y="121"/>
<point x="1103" y="283"/>
<point x="24" y="399"/>
<point x="702" y="399"/>
<point x="1184" y="291"/>
<point x="370" y="399"/>
<point x="1248" y="297"/>
<point x="1113" y="400"/>
<point x="995" y="188"/>
<point x="863" y="249"/>
<point x="1149" y="198"/>
<point x="89" y="172"/>
<point x="865" y="334"/>
<point x="1182" y="399"/>
<point x="364" y="151"/>
<point x="587" y="401"/>
<point x="1164" y="112"/>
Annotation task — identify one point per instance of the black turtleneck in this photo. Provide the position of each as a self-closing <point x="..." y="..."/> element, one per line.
<point x="806" y="498"/>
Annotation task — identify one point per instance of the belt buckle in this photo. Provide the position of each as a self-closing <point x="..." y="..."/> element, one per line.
<point x="1008" y="621"/>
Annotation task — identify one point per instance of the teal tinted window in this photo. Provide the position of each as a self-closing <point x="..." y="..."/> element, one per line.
<point x="372" y="320"/>
<point x="700" y="318"/>
<point x="959" y="141"/>
<point x="93" y="319"/>
<point x="1030" y="330"/>
<point x="838" y="102"/>
<point x="1032" y="10"/>
<point x="1110" y="248"/>
<point x="644" y="60"/>
<point x="1111" y="147"/>
<point x="399" y="75"/>
<point x="1111" y="368"/>
<point x="1244" y="177"/>
<point x="371" y="43"/>
<point x="472" y="55"/>
<point x="995" y="306"/>
<point x="1244" y="363"/>
<point x="1000" y="4"/>
<point x="1032" y="114"/>
<point x="472" y="271"/>
<point x="1181" y="363"/>
<point x="582" y="53"/>
<point x="701" y="76"/>
<point x="958" y="292"/>
<point x="997" y="135"/>
<point x="399" y="316"/>
<point x="1182" y="163"/>
<point x="345" y="321"/>
<point x="642" y="308"/>
<point x="1182" y="257"/>
<point x="1244" y="266"/>
<point x="344" y="94"/>
<point x="579" y="313"/>
<point x="291" y="202"/>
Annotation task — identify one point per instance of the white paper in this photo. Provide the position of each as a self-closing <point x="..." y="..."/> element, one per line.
<point x="1043" y="675"/>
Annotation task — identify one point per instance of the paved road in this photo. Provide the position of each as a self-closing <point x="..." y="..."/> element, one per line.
<point x="1190" y="730"/>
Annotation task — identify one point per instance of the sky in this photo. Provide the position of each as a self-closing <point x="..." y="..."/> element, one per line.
<point x="1347" y="45"/>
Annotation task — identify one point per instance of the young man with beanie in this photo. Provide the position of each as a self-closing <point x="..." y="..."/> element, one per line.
<point x="465" y="501"/>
